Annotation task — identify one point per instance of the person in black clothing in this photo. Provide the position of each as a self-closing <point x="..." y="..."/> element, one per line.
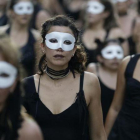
<point x="106" y="69"/>
<point x="123" y="119"/>
<point x="25" y="38"/>
<point x="63" y="99"/>
<point x="14" y="125"/>
<point x="100" y="23"/>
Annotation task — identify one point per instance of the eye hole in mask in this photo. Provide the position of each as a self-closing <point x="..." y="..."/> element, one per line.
<point x="4" y="75"/>
<point x="55" y="40"/>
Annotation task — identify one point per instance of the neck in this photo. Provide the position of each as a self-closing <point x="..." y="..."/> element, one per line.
<point x="111" y="71"/>
<point x="18" y="27"/>
<point x="97" y="26"/>
<point x="123" y="14"/>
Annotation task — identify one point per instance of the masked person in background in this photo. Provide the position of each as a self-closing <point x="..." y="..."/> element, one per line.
<point x="109" y="56"/>
<point x="100" y="23"/>
<point x="20" y="12"/>
<point x="13" y="124"/>
<point x="63" y="99"/>
<point x="123" y="118"/>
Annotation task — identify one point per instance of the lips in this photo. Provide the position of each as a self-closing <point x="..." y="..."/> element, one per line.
<point x="58" y="56"/>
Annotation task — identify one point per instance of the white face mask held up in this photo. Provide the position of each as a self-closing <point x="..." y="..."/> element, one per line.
<point x="23" y="8"/>
<point x="56" y="40"/>
<point x="112" y="51"/>
<point x="8" y="74"/>
<point x="95" y="7"/>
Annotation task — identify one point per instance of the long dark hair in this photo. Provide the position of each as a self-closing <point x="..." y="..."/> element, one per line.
<point x="78" y="61"/>
<point x="110" y="21"/>
<point x="10" y="116"/>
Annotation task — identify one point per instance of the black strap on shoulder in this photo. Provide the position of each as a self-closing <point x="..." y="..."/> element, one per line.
<point x="131" y="65"/>
<point x="81" y="81"/>
<point x="39" y="85"/>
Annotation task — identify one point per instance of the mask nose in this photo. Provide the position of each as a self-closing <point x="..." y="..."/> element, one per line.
<point x="60" y="44"/>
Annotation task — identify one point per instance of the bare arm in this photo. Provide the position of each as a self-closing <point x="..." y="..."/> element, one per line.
<point x="30" y="130"/>
<point x="96" y="127"/>
<point x="118" y="97"/>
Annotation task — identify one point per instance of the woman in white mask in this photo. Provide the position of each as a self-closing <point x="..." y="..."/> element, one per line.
<point x="20" y="13"/>
<point x="63" y="99"/>
<point x="13" y="124"/>
<point x="109" y="55"/>
<point x="100" y="23"/>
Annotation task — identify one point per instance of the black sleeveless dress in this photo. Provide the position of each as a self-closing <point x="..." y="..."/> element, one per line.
<point x="106" y="98"/>
<point x="127" y="125"/>
<point x="71" y="124"/>
<point x="28" y="54"/>
<point x="107" y="95"/>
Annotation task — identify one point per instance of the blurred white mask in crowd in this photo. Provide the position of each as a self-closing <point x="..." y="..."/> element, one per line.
<point x="95" y="7"/>
<point x="24" y="7"/>
<point x="56" y="40"/>
<point x="8" y="74"/>
<point x="112" y="51"/>
<point x="116" y="1"/>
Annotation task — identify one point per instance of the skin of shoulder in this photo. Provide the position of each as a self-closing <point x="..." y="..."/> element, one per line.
<point x="3" y="28"/>
<point x="91" y="68"/>
<point x="91" y="84"/>
<point x="30" y="130"/>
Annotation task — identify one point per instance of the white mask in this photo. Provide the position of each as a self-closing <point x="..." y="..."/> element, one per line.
<point x="10" y="71"/>
<point x="23" y="8"/>
<point x="95" y="7"/>
<point x="112" y="51"/>
<point x="56" y="40"/>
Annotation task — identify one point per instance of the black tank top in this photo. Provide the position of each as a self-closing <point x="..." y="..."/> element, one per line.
<point x="3" y="20"/>
<point x="127" y="125"/>
<point x="71" y="124"/>
<point x="28" y="54"/>
<point x="106" y="96"/>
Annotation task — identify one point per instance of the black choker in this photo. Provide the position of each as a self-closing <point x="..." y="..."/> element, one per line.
<point x="55" y="75"/>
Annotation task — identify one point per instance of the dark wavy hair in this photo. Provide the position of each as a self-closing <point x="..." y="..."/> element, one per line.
<point x="102" y="44"/>
<point x="10" y="118"/>
<point x="77" y="62"/>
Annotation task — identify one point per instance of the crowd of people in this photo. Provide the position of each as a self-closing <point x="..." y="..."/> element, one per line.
<point x="69" y="69"/>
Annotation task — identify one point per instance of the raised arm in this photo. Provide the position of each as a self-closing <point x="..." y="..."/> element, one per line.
<point x="96" y="127"/>
<point x="118" y="97"/>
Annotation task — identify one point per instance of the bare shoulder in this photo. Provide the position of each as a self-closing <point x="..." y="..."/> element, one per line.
<point x="30" y="130"/>
<point x="4" y="28"/>
<point x="91" y="68"/>
<point x="124" y="63"/>
<point x="36" y="34"/>
<point x="91" y="86"/>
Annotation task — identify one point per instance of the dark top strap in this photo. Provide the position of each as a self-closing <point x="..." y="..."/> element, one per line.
<point x="81" y="81"/>
<point x="107" y="34"/>
<point x="131" y="66"/>
<point x="39" y="85"/>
